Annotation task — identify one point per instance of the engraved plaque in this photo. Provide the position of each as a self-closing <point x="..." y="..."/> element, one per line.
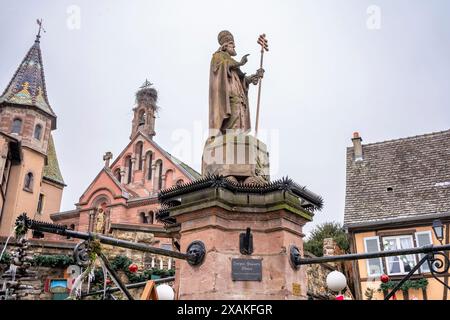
<point x="246" y="269"/>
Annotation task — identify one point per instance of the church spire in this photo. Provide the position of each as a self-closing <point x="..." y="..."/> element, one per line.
<point x="145" y="110"/>
<point x="27" y="86"/>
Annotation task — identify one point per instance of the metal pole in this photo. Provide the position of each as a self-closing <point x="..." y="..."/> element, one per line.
<point x="259" y="93"/>
<point x="114" y="274"/>
<point x="401" y="282"/>
<point x="62" y="230"/>
<point x="128" y="286"/>
<point x="379" y="254"/>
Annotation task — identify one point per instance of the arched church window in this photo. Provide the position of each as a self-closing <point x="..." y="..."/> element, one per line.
<point x="28" y="183"/>
<point x="40" y="205"/>
<point x="139" y="148"/>
<point x="149" y="165"/>
<point x="117" y="174"/>
<point x="129" y="168"/>
<point x="38" y="132"/>
<point x="179" y="182"/>
<point x="141" y="118"/>
<point x="143" y="217"/>
<point x="16" y="126"/>
<point x="159" y="170"/>
<point x="150" y="217"/>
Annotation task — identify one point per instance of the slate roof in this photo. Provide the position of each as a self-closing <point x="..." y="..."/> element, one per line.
<point x="192" y="173"/>
<point x="416" y="170"/>
<point x="27" y="86"/>
<point x="51" y="169"/>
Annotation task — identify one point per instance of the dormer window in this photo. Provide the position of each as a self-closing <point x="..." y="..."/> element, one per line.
<point x="38" y="132"/>
<point x="16" y="126"/>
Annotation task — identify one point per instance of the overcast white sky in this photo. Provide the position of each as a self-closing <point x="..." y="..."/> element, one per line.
<point x="327" y="74"/>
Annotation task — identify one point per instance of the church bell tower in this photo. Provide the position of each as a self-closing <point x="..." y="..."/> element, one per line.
<point x="145" y="110"/>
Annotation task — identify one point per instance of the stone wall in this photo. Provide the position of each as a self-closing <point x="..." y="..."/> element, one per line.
<point x="317" y="273"/>
<point x="142" y="259"/>
<point x="40" y="274"/>
<point x="45" y="247"/>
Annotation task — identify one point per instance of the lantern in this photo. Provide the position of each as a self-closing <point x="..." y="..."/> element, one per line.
<point x="336" y="281"/>
<point x="438" y="229"/>
<point x="165" y="292"/>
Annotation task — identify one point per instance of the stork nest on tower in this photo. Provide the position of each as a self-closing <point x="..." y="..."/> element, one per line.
<point x="148" y="97"/>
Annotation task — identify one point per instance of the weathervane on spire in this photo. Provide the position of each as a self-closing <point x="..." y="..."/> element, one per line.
<point x="39" y="22"/>
<point x="146" y="84"/>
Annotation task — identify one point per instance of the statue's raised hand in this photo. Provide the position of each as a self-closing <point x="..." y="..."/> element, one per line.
<point x="260" y="73"/>
<point x="244" y="59"/>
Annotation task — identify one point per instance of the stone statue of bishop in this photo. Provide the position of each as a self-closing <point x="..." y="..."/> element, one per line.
<point x="228" y="89"/>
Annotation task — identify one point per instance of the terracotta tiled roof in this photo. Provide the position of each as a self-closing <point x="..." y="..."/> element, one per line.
<point x="27" y="86"/>
<point x="407" y="177"/>
<point x="51" y="170"/>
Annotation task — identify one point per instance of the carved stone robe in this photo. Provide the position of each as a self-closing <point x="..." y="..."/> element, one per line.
<point x="228" y="95"/>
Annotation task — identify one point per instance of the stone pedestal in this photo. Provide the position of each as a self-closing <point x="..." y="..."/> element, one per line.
<point x="216" y="213"/>
<point x="240" y="156"/>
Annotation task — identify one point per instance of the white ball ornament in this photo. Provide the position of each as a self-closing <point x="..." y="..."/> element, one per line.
<point x="165" y="292"/>
<point x="336" y="281"/>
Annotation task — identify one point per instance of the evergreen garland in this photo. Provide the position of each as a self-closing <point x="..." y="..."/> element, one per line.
<point x="51" y="261"/>
<point x="121" y="263"/>
<point x="6" y="258"/>
<point x="409" y="284"/>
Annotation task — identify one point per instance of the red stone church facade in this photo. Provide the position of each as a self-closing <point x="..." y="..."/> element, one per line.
<point x="125" y="191"/>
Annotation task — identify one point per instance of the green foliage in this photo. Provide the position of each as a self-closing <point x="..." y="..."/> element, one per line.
<point x="409" y="284"/>
<point x="6" y="258"/>
<point x="314" y="243"/>
<point x="121" y="263"/>
<point x="53" y="261"/>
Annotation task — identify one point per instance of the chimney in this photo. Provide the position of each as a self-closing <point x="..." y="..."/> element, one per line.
<point x="357" y="147"/>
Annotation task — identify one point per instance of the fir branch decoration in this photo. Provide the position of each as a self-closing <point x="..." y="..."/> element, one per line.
<point x="409" y="284"/>
<point x="121" y="263"/>
<point x="53" y="261"/>
<point x="6" y="259"/>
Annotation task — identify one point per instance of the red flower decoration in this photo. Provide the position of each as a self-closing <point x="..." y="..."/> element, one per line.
<point x="133" y="268"/>
<point x="384" y="278"/>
